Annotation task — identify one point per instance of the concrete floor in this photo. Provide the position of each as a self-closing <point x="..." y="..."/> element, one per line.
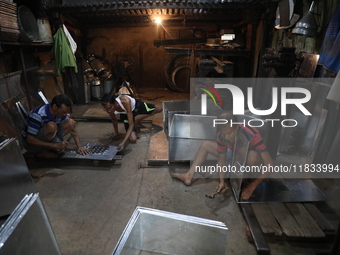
<point x="89" y="206"/>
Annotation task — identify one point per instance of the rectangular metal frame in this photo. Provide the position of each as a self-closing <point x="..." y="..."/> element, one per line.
<point x="186" y="134"/>
<point x="184" y="234"/>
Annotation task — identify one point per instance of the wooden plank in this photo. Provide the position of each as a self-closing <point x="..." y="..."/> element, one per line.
<point x="158" y="146"/>
<point x="320" y="219"/>
<point x="308" y="225"/>
<point x="96" y="113"/>
<point x="287" y="222"/>
<point x="266" y="219"/>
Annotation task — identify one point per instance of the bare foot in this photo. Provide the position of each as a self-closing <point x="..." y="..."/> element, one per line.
<point x="185" y="178"/>
<point x="47" y="154"/>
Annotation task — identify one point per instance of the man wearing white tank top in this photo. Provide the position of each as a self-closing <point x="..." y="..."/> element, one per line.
<point x="128" y="108"/>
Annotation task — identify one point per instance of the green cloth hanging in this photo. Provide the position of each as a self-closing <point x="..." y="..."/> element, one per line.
<point x="63" y="52"/>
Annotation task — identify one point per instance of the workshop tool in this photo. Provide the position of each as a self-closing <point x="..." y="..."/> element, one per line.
<point x="212" y="195"/>
<point x="72" y="135"/>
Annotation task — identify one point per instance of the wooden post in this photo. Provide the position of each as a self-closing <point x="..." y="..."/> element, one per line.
<point x="23" y="67"/>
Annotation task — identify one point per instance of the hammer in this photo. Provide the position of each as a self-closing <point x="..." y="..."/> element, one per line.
<point x="71" y="136"/>
<point x="212" y="195"/>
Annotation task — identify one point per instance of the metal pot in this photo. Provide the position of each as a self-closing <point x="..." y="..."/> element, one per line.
<point x="95" y="82"/>
<point x="27" y="25"/>
<point x="96" y="89"/>
<point x="108" y="86"/>
<point x="86" y="67"/>
<point x="97" y="65"/>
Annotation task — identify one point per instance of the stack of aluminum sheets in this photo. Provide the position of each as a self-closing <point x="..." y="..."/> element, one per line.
<point x="27" y="230"/>
<point x="160" y="232"/>
<point x="9" y="28"/>
<point x="16" y="180"/>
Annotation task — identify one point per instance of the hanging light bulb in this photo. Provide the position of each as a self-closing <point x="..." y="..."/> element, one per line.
<point x="158" y="20"/>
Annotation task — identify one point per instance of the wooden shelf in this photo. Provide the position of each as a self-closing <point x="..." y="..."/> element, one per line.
<point x="26" y="43"/>
<point x="10" y="74"/>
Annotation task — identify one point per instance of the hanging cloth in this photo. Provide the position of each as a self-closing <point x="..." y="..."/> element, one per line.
<point x="330" y="49"/>
<point x="70" y="39"/>
<point x="63" y="52"/>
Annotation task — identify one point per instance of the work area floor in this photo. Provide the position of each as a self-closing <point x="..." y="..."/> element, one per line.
<point x="89" y="204"/>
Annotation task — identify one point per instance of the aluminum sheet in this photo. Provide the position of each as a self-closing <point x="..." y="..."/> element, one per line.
<point x="193" y="127"/>
<point x="184" y="150"/>
<point x="190" y="107"/>
<point x="28" y="230"/>
<point x="185" y="234"/>
<point x="173" y="107"/>
<point x="15" y="179"/>
<point x="267" y="191"/>
<point x="240" y="154"/>
<point x="312" y="125"/>
<point x="10" y="88"/>
<point x="286" y="191"/>
<point x="280" y="192"/>
<point x="98" y="152"/>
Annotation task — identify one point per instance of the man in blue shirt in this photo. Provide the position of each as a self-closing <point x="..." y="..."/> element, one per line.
<point x="46" y="126"/>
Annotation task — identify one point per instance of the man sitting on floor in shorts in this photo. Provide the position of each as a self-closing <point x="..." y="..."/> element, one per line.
<point x="222" y="149"/>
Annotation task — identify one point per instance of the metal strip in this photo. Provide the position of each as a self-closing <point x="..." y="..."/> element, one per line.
<point x="255" y="229"/>
<point x="41" y="94"/>
<point x="22" y="111"/>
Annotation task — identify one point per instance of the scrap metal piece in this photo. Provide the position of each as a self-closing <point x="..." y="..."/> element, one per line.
<point x="22" y="111"/>
<point x="43" y="98"/>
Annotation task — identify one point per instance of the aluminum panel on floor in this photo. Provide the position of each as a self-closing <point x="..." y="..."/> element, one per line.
<point x="98" y="152"/>
<point x="184" y="234"/>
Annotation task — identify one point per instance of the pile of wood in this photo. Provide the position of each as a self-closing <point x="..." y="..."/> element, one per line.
<point x="292" y="220"/>
<point x="9" y="28"/>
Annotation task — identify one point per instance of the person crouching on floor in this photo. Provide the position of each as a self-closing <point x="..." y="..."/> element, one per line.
<point x="128" y="108"/>
<point x="46" y="126"/>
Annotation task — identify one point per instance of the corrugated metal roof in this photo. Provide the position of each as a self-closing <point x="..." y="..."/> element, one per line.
<point x="93" y="13"/>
